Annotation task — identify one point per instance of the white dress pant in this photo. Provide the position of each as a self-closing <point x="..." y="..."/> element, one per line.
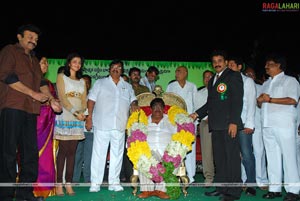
<point x="102" y="139"/>
<point x="280" y="146"/>
<point x="190" y="161"/>
<point x="260" y="158"/>
<point x="148" y="185"/>
<point x="298" y="152"/>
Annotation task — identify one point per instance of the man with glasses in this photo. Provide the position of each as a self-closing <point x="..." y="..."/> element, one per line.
<point x="109" y="102"/>
<point x="278" y="99"/>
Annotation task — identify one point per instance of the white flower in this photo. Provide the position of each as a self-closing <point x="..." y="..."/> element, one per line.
<point x="138" y="126"/>
<point x="174" y="148"/>
<point x="183" y="118"/>
<point x="144" y="165"/>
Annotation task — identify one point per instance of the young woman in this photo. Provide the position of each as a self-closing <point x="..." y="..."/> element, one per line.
<point x="69" y="126"/>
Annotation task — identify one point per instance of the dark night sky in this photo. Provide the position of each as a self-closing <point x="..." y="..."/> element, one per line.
<point x="157" y="30"/>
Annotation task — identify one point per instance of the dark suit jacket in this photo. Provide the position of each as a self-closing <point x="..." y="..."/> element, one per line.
<point x="224" y="102"/>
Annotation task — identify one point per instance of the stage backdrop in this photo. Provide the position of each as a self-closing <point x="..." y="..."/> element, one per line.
<point x="99" y="68"/>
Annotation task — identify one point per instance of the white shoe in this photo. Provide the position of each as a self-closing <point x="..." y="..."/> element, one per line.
<point x="191" y="180"/>
<point x="94" y="189"/>
<point x="115" y="187"/>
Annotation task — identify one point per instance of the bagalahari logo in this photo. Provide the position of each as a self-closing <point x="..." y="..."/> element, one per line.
<point x="280" y="7"/>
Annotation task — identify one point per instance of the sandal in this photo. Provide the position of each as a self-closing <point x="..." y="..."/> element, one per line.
<point x="59" y="190"/>
<point x="69" y="189"/>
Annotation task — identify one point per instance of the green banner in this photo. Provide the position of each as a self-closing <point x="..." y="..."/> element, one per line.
<point x="99" y="69"/>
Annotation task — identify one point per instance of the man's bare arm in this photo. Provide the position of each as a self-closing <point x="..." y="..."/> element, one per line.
<point x="89" y="120"/>
<point x="20" y="87"/>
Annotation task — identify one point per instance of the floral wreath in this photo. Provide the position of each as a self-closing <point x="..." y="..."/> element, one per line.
<point x="139" y="151"/>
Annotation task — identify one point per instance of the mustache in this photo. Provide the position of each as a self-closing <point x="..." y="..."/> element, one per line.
<point x="217" y="66"/>
<point x="32" y="43"/>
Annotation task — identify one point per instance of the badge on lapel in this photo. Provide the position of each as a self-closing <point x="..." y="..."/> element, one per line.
<point x="221" y="89"/>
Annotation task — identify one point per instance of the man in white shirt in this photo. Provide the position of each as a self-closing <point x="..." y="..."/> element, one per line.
<point x="298" y="136"/>
<point x="150" y="78"/>
<point x="160" y="132"/>
<point x="205" y="135"/>
<point x="257" y="138"/>
<point x="298" y="132"/>
<point x="108" y="106"/>
<point x="248" y="115"/>
<point x="187" y="90"/>
<point x="278" y="100"/>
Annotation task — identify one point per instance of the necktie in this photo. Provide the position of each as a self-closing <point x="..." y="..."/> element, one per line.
<point x="217" y="77"/>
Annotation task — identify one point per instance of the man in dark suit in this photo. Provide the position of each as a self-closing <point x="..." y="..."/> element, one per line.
<point x="224" y="107"/>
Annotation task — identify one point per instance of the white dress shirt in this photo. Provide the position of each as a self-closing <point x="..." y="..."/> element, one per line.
<point x="201" y="99"/>
<point x="188" y="93"/>
<point x="144" y="81"/>
<point x="112" y="102"/>
<point x="249" y="102"/>
<point x="279" y="115"/>
<point x="160" y="135"/>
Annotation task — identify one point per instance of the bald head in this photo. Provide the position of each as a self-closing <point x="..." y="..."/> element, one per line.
<point x="181" y="73"/>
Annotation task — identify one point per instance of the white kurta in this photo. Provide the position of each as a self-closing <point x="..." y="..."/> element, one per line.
<point x="279" y="132"/>
<point x="159" y="136"/>
<point x="188" y="93"/>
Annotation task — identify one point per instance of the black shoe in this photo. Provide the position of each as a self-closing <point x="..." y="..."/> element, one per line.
<point x="227" y="197"/>
<point x="291" y="197"/>
<point x="213" y="193"/>
<point x="32" y="199"/>
<point x="250" y="191"/>
<point x="38" y="199"/>
<point x="272" y="195"/>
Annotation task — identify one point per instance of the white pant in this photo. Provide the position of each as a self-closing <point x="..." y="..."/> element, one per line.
<point x="280" y="146"/>
<point x="190" y="159"/>
<point x="100" y="145"/>
<point x="298" y="152"/>
<point x="243" y="172"/>
<point x="149" y="185"/>
<point x="260" y="157"/>
<point x="190" y="163"/>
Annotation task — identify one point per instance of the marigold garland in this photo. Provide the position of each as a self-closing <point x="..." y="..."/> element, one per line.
<point x="184" y="137"/>
<point x="139" y="151"/>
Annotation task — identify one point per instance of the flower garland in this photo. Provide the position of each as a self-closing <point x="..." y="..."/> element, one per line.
<point x="139" y="152"/>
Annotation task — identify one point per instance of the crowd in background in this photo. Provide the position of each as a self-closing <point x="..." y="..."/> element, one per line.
<point x="248" y="124"/>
